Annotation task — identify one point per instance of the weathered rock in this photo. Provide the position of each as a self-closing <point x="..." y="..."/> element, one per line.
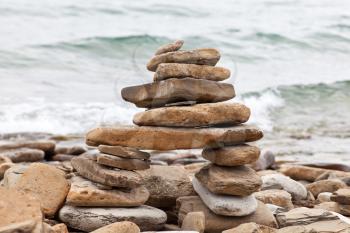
<point x="194" y="221"/>
<point x="47" y="146"/>
<point x="266" y="160"/>
<point x="329" y="205"/>
<point x="341" y="196"/>
<point x="171" y="47"/>
<point x="324" y="197"/>
<point x="239" y="180"/>
<point x="24" y="155"/>
<point x="166" y="184"/>
<point x="159" y="94"/>
<point x="334" y="226"/>
<point x="4" y="167"/>
<point x="70" y="150"/>
<point x="29" y="226"/>
<point x="178" y="70"/>
<point x="304" y="216"/>
<point x="124" y="152"/>
<point x="60" y="228"/>
<point x="251" y="228"/>
<point x="276" y="197"/>
<point x="87" y="193"/>
<point x="198" y="56"/>
<point x="278" y="181"/>
<point x="146" y="217"/>
<point x="194" y="116"/>
<point x="101" y="174"/>
<point x="224" y="204"/>
<point x="119" y="227"/>
<point x="161" y="138"/>
<point x="13" y="174"/>
<point x="18" y="207"/>
<point x="47" y="184"/>
<point x="122" y="163"/>
<point x="216" y="223"/>
<point x="232" y="155"/>
<point x="325" y="186"/>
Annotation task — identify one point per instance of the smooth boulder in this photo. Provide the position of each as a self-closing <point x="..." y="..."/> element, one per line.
<point x="124" y="152"/>
<point x="122" y="163"/>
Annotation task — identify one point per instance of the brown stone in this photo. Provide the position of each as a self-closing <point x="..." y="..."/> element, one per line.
<point x="198" y="56"/>
<point x="124" y="152"/>
<point x="47" y="146"/>
<point x="119" y="227"/>
<point x="60" y="228"/>
<point x="29" y="226"/>
<point x="194" y="221"/>
<point x="198" y="115"/>
<point x="4" y="167"/>
<point x="24" y="155"/>
<point x="4" y="159"/>
<point x="325" y="186"/>
<point x="47" y="184"/>
<point x="239" y="180"/>
<point x="232" y="155"/>
<point x="329" y="205"/>
<point x="161" y="138"/>
<point x="341" y="196"/>
<point x="166" y="184"/>
<point x="122" y="163"/>
<point x="178" y="70"/>
<point x="216" y="223"/>
<point x="276" y="197"/>
<point x="70" y="150"/>
<point x="87" y="193"/>
<point x="62" y="157"/>
<point x="159" y="94"/>
<point x="171" y="47"/>
<point x="91" y="170"/>
<point x="333" y="226"/>
<point x="251" y="228"/>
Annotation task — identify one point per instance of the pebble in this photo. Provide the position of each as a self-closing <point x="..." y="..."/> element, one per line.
<point x="122" y="163"/>
<point x="124" y="152"/>
<point x="324" y="197"/>
<point x="171" y="47"/>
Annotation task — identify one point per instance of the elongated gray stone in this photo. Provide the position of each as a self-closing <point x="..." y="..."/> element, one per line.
<point x="171" y="47"/>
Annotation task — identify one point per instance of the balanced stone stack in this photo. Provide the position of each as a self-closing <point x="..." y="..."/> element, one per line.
<point x="186" y="110"/>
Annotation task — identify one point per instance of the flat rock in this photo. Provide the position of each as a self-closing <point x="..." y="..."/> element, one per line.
<point x="166" y="184"/>
<point x="194" y="221"/>
<point x="206" y="56"/>
<point x="162" y="138"/>
<point x="279" y="181"/>
<point x="224" y="204"/>
<point x="62" y="157"/>
<point x="91" y="170"/>
<point x="329" y="205"/>
<point x="325" y="186"/>
<point x="251" y="228"/>
<point x="47" y="146"/>
<point x="84" y="192"/>
<point x="232" y="155"/>
<point x="119" y="227"/>
<point x="198" y="115"/>
<point x="70" y="150"/>
<point x="304" y="216"/>
<point x="159" y="94"/>
<point x="124" y="152"/>
<point x="146" y="217"/>
<point x="276" y="197"/>
<point x="24" y="155"/>
<point x="122" y="163"/>
<point x="341" y="196"/>
<point x="47" y="184"/>
<point x="334" y="226"/>
<point x="171" y="47"/>
<point x="178" y="70"/>
<point x="12" y="174"/>
<point x="239" y="180"/>
<point x="216" y="223"/>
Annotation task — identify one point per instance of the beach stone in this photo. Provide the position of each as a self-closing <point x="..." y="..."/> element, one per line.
<point x="232" y="155"/>
<point x="171" y="47"/>
<point x="24" y="155"/>
<point x="162" y="138"/>
<point x="171" y="156"/>
<point x="276" y="197"/>
<point x="265" y="161"/>
<point x="47" y="184"/>
<point x="101" y="174"/>
<point x="324" y="196"/>
<point x="194" y="221"/>
<point x="194" y="116"/>
<point x="47" y="146"/>
<point x="60" y="228"/>
<point x="159" y="94"/>
<point x="206" y="56"/>
<point x="224" y="204"/>
<point x="62" y="157"/>
<point x="17" y="207"/>
<point x="334" y="226"/>
<point x="70" y="150"/>
<point x="122" y="163"/>
<point x="341" y="196"/>
<point x="278" y="181"/>
<point x="304" y="216"/>
<point x="216" y="223"/>
<point x="4" y="167"/>
<point x="325" y="186"/>
<point x="4" y="159"/>
<point x="13" y="174"/>
<point x="329" y="205"/>
<point x="124" y="152"/>
<point x="239" y="180"/>
<point x="146" y="217"/>
<point x="84" y="192"/>
<point x="251" y="228"/>
<point x="166" y="184"/>
<point x="29" y="226"/>
<point x="119" y="227"/>
<point x="178" y="70"/>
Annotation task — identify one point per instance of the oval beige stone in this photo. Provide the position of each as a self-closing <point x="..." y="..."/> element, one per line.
<point x="171" y="47"/>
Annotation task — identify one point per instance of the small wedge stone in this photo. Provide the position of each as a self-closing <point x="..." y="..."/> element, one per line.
<point x="171" y="47"/>
<point x="194" y="221"/>
<point x="124" y="152"/>
<point x="121" y="163"/>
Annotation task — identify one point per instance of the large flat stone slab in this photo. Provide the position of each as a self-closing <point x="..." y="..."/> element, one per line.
<point x="91" y="170"/>
<point x="162" y="138"/>
<point x="177" y="70"/>
<point x="198" y="115"/>
<point x="206" y="56"/>
<point x="89" y="219"/>
<point x="159" y="94"/>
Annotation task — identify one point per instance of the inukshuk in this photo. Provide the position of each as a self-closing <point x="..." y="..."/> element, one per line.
<point x="186" y="110"/>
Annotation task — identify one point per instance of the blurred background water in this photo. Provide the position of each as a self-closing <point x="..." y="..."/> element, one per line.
<point x="63" y="63"/>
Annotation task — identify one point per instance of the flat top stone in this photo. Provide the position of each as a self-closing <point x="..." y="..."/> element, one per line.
<point x="125" y="152"/>
<point x="122" y="163"/>
<point x="158" y="94"/>
<point x="162" y="138"/>
<point x="171" y="47"/>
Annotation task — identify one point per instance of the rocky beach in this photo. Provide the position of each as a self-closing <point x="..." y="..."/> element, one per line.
<point x="190" y="163"/>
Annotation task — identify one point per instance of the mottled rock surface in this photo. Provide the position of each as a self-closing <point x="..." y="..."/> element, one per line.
<point x="276" y="197"/>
